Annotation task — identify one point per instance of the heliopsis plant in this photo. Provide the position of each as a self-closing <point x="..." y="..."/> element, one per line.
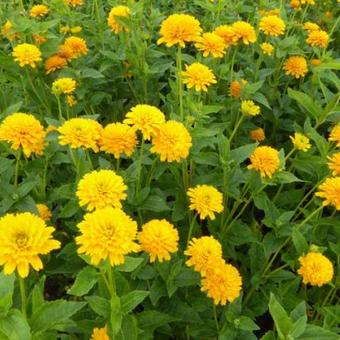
<point x="120" y="12"/>
<point x="265" y="160"/>
<point x="27" y="54"/>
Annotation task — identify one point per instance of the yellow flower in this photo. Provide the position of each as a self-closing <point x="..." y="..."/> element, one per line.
<point x="44" y="212"/>
<point x="211" y="43"/>
<point x="274" y="11"/>
<point x="295" y="4"/>
<point x="64" y="29"/>
<point x="179" y="29"/>
<point x="101" y="189"/>
<point x="222" y="283"/>
<point x="74" y="3"/>
<point x="316" y="62"/>
<point x="71" y="100"/>
<point x="145" y="118"/>
<point x="107" y="234"/>
<point x="118" y="11"/>
<point x="316" y="269"/>
<point x="39" y="39"/>
<point x="198" y="76"/>
<point x="236" y="87"/>
<point x="334" y="136"/>
<point x="6" y="29"/>
<point x="296" y="66"/>
<point x="227" y="33"/>
<point x="330" y="191"/>
<point x="267" y="48"/>
<point x="244" y="31"/>
<point x="334" y="164"/>
<point x="257" y="135"/>
<point x="24" y="131"/>
<point x="203" y="253"/>
<point x="100" y="334"/>
<point x="318" y="39"/>
<point x="172" y="142"/>
<point x="118" y="139"/>
<point x="249" y="108"/>
<point x="206" y="200"/>
<point x="76" y="29"/>
<point x="308" y="2"/>
<point x="26" y="54"/>
<point x="272" y="25"/>
<point x="23" y="238"/>
<point x="311" y="26"/>
<point x="63" y="86"/>
<point x="77" y="46"/>
<point x="39" y="11"/>
<point x="80" y="132"/>
<point x="158" y="238"/>
<point x="66" y="52"/>
<point x="300" y="141"/>
<point x="265" y="160"/>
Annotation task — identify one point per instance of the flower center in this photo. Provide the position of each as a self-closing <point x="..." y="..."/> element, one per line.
<point x="21" y="240"/>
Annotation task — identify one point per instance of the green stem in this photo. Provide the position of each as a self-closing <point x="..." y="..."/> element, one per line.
<point x="17" y="167"/>
<point x="111" y="279"/>
<point x="179" y="82"/>
<point x="191" y="228"/>
<point x="216" y="319"/>
<point x="23" y="296"/>
<point x="61" y="118"/>
<point x="88" y="156"/>
<point x="239" y="122"/>
<point x="140" y="161"/>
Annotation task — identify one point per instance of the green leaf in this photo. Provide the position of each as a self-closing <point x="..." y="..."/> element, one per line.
<point x="242" y="153"/>
<point x="155" y="203"/>
<point x="306" y="102"/>
<point x="299" y="241"/>
<point x="54" y="315"/>
<point x="116" y="315"/>
<point x="5" y="164"/>
<point x="313" y="332"/>
<point x="246" y="323"/>
<point x="14" y="326"/>
<point x="153" y="319"/>
<point x="129" y="329"/>
<point x="6" y="292"/>
<point x="131" y="300"/>
<point x="37" y="295"/>
<point x="282" y="322"/>
<point x="99" y="305"/>
<point x="85" y="280"/>
<point x="130" y="264"/>
<point x="285" y="177"/>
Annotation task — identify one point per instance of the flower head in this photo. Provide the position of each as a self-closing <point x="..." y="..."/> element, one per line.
<point x="55" y="62"/>
<point x="172" y="142"/>
<point x="244" y="32"/>
<point x="100" y="334"/>
<point x="265" y="160"/>
<point x="198" y="76"/>
<point x="71" y="100"/>
<point x="24" y="131"/>
<point x="74" y="3"/>
<point x="211" y="43"/>
<point x="222" y="283"/>
<point x="80" y="132"/>
<point x="158" y="238"/>
<point x="107" y="234"/>
<point x="311" y="26"/>
<point x="316" y="62"/>
<point x="249" y="108"/>
<point x="44" y="212"/>
<point x="296" y="66"/>
<point x="76" y="46"/>
<point x="23" y="238"/>
<point x="272" y="25"/>
<point x="145" y="118"/>
<point x="334" y="164"/>
<point x="334" y="136"/>
<point x="315" y="269"/>
<point x="300" y="141"/>
<point x="6" y="31"/>
<point x="236" y="87"/>
<point x="257" y="135"/>
<point x="318" y="39"/>
<point x="206" y="200"/>
<point x="330" y="191"/>
<point x="227" y="33"/>
<point x="295" y="4"/>
<point x="63" y="86"/>
<point x="203" y="253"/>
<point x="26" y="54"/>
<point x="100" y="189"/>
<point x="118" y="11"/>
<point x="118" y="139"/>
<point x="39" y="39"/>
<point x="39" y="11"/>
<point x="179" y="29"/>
<point x="267" y="48"/>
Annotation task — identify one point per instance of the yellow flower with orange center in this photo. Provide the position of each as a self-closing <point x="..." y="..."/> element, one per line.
<point x="44" y="212"/>
<point x="334" y="164"/>
<point x="77" y="46"/>
<point x="236" y="87"/>
<point x="315" y="269"/>
<point x="318" y="39"/>
<point x="227" y="33"/>
<point x="330" y="191"/>
<point x="296" y="66"/>
<point x="316" y="62"/>
<point x="244" y="32"/>
<point x="211" y="44"/>
<point x="257" y="135"/>
<point x="198" y="76"/>
<point x="311" y="26"/>
<point x="265" y="160"/>
<point x="179" y="29"/>
<point x="23" y="131"/>
<point x="272" y="25"/>
<point x="39" y="11"/>
<point x="74" y="3"/>
<point x="118" y="12"/>
<point x="100" y="334"/>
<point x="26" y="54"/>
